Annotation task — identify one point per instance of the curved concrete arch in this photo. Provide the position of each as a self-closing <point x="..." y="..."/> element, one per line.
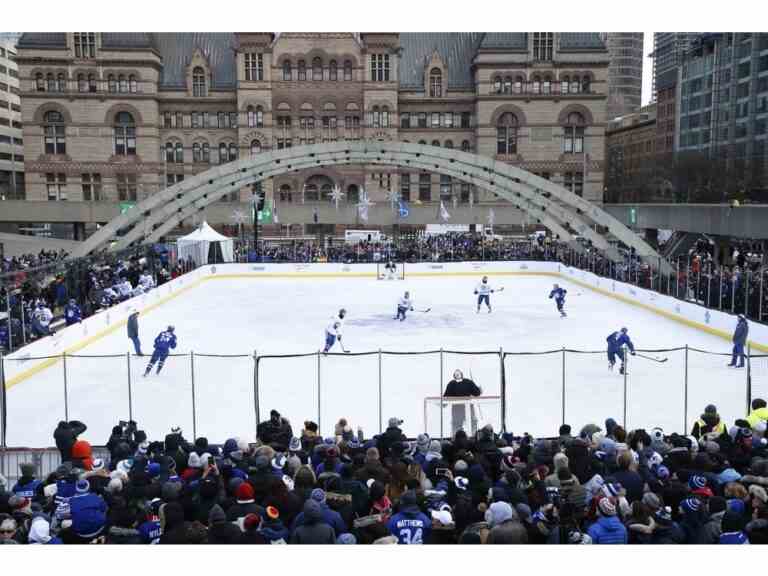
<point x="475" y="169"/>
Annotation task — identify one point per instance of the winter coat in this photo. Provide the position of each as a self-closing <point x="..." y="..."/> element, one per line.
<point x="119" y="535"/>
<point x="275" y="434"/>
<point x="330" y="517"/>
<point x="314" y="529"/>
<point x="274" y="532"/>
<point x="608" y="530"/>
<point x="65" y="435"/>
<point x="668" y="534"/>
<point x="133" y="325"/>
<point x="757" y="531"/>
<point x="410" y="526"/>
<point x="390" y="437"/>
<point x="460" y="388"/>
<point x="741" y="333"/>
<point x="508" y="532"/>
<point x="238" y="510"/>
<point x="219" y="530"/>
<point x="713" y="528"/>
<point x="631" y="481"/>
<point x="89" y="515"/>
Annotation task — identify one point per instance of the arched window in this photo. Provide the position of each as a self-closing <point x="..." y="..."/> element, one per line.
<point x="111" y="83"/>
<point x="40" y="82"/>
<point x="325" y="191"/>
<point x="169" y="152"/>
<point x="506" y="134"/>
<point x="287" y="70"/>
<point x="285" y="193"/>
<point x="466" y="146"/>
<point x="573" y="137"/>
<point x="123" y="81"/>
<point x="125" y="134"/>
<point x="302" y="70"/>
<point x="255" y="147"/>
<point x="310" y="193"/>
<point x="497" y="86"/>
<point x="133" y="84"/>
<point x="448" y="144"/>
<point x="206" y="153"/>
<point x="585" y="84"/>
<point x="546" y="86"/>
<point x="61" y="82"/>
<point x="179" y="153"/>
<point x="536" y="85"/>
<point x="82" y="83"/>
<point x="376" y="117"/>
<point x="575" y="85"/>
<point x="519" y="83"/>
<point x="197" y="155"/>
<point x="198" y="82"/>
<point x="507" y="85"/>
<point x="436" y="143"/>
<point x="50" y="82"/>
<point x="435" y="83"/>
<point x="317" y="69"/>
<point x="233" y="152"/>
<point x="259" y="117"/>
<point x="565" y="82"/>
<point x="347" y="70"/>
<point x="223" y="154"/>
<point x="91" y="83"/>
<point x="385" y="117"/>
<point x="55" y="141"/>
<point x="251" y="114"/>
<point x="353" y="194"/>
<point x="423" y="142"/>
<point x="333" y="71"/>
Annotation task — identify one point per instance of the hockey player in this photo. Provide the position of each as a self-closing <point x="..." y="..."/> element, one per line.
<point x="404" y="304"/>
<point x="559" y="295"/>
<point x="41" y="319"/>
<point x="163" y="343"/>
<point x="739" y="341"/>
<point x="72" y="313"/>
<point x="333" y="331"/>
<point x="483" y="292"/>
<point x="616" y="340"/>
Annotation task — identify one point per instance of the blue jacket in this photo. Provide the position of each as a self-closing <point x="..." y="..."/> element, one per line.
<point x="618" y="339"/>
<point x="133" y="326"/>
<point x="558" y="294"/>
<point x="28" y="489"/>
<point x="608" y="530"/>
<point x="330" y="517"/>
<point x="410" y="526"/>
<point x="72" y="314"/>
<point x="734" y="538"/>
<point x="150" y="531"/>
<point x="274" y="532"/>
<point x="89" y="514"/>
<point x="164" y="341"/>
<point x="741" y="333"/>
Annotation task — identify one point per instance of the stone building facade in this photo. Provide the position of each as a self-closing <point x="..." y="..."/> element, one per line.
<point x="118" y="116"/>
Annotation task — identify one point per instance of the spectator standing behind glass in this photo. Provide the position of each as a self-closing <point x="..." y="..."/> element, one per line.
<point x="457" y="388"/>
<point x="133" y="331"/>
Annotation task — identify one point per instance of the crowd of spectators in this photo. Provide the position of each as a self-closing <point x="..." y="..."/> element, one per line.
<point x="31" y="261"/>
<point x="600" y="485"/>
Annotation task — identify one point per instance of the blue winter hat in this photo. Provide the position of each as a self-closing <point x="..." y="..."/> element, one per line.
<point x="728" y="475"/>
<point x="318" y="495"/>
<point x="346" y="538"/>
<point x="278" y="462"/>
<point x="697" y="482"/>
<point x="662" y="472"/>
<point x="461" y="483"/>
<point x="82" y="487"/>
<point x="229" y="446"/>
<point x="691" y="504"/>
<point x="153" y="469"/>
<point x="736" y="505"/>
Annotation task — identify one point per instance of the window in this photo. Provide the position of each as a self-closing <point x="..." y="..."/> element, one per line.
<point x="435" y="83"/>
<point x="123" y="82"/>
<point x="198" y="83"/>
<point x="55" y="142"/>
<point x="405" y="187"/>
<point x="167" y="119"/>
<point x="405" y="120"/>
<point x="353" y="194"/>
<point x="317" y="69"/>
<point x="255" y="147"/>
<point x="233" y="119"/>
<point x="446" y="187"/>
<point x="573" y="140"/>
<point x="508" y="85"/>
<point x="39" y="82"/>
<point x="536" y="85"/>
<point x="126" y="187"/>
<point x="302" y="70"/>
<point x="197" y="155"/>
<point x="352" y="126"/>
<point x="82" y="84"/>
<point x="168" y="152"/>
<point x="111" y="83"/>
<point x="436" y="143"/>
<point x="466" y="146"/>
<point x="223" y="153"/>
<point x="435" y="119"/>
<point x="234" y="152"/>
<point x="384" y="117"/>
<point x="56" y="185"/>
<point x="133" y="84"/>
<point x="425" y="185"/>
<point x="466" y="119"/>
<point x="310" y="193"/>
<point x="375" y="117"/>
<point x="448" y="120"/>
<point x="497" y="86"/>
<point x="172" y="179"/>
<point x="285" y="193"/>
<point x="564" y="83"/>
<point x="380" y="67"/>
<point x="333" y="71"/>
<point x="91" y="187"/>
<point x="330" y="123"/>
<point x="347" y="70"/>
<point x="448" y="144"/>
<point x="519" y="83"/>
<point x="543" y="44"/>
<point x="506" y="134"/>
<point x="585" y="84"/>
<point x="85" y="44"/>
<point x="546" y="86"/>
<point x="287" y="70"/>
<point x="575" y="85"/>
<point x="178" y="156"/>
<point x="125" y="134"/>
<point x="206" y="153"/>
<point x="91" y="83"/>
<point x="254" y="67"/>
<point x="179" y="120"/>
<point x="574" y="182"/>
<point x="422" y="120"/>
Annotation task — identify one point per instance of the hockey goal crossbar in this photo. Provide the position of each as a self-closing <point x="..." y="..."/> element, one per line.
<point x="475" y="403"/>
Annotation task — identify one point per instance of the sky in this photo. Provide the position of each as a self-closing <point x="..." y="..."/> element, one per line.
<point x="647" y="66"/>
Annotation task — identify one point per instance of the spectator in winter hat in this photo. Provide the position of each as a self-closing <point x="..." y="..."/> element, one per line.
<point x="733" y="529"/>
<point x="717" y="508"/>
<point x="759" y="412"/>
<point x="608" y="529"/>
<point x="82" y="455"/>
<point x="8" y="529"/>
<point x="709" y="424"/>
<point x="276" y="431"/>
<point x="272" y="527"/>
<point x="314" y="529"/>
<point x="245" y="503"/>
<point x="628" y="477"/>
<point x="693" y="513"/>
<point x="758" y="497"/>
<point x="219" y="530"/>
<point x="251" y="533"/>
<point x="89" y="513"/>
<point x="392" y="435"/>
<point x="346" y="538"/>
<point x="40" y="531"/>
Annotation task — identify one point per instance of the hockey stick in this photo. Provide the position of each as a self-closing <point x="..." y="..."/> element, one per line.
<point x="424" y="311"/>
<point x="658" y="359"/>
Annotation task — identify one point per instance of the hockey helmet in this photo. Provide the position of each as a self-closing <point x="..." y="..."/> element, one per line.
<point x="342" y="312"/>
<point x="624" y="330"/>
<point x="171" y="328"/>
<point x="485" y="279"/>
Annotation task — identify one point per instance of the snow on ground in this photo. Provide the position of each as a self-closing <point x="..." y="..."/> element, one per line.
<point x="285" y="316"/>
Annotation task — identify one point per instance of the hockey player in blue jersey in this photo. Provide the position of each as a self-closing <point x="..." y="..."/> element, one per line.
<point x="559" y="295"/>
<point x="404" y="305"/>
<point x="333" y="331"/>
<point x="163" y="343"/>
<point x="616" y="342"/>
<point x="72" y="313"/>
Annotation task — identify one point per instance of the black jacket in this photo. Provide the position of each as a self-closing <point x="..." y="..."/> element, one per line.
<point x="464" y="387"/>
<point x="314" y="530"/>
<point x="275" y="434"/>
<point x="65" y="435"/>
<point x="390" y="437"/>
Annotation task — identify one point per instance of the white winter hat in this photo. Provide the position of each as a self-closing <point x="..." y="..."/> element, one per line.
<point x="194" y="461"/>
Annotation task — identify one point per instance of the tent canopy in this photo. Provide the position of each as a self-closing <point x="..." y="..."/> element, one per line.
<point x="197" y="244"/>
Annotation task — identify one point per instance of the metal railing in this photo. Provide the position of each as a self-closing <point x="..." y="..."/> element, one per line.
<point x="222" y="396"/>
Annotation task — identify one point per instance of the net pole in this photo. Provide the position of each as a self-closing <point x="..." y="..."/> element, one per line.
<point x="626" y="369"/>
<point x="685" y="393"/>
<point x="10" y="325"/>
<point x="746" y="295"/>
<point x="256" y="390"/>
<point x="23" y="320"/>
<point x="66" y="390"/>
<point x="562" y="393"/>
<point x="503" y="391"/>
<point x="749" y="378"/>
<point x="760" y="302"/>
<point x="194" y="407"/>
<point x="440" y="384"/>
<point x="130" y="386"/>
<point x="380" y="386"/>
<point x="733" y="293"/>
<point x="319" y="402"/>
<point x="3" y="408"/>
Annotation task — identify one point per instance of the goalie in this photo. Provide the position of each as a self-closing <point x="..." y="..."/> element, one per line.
<point x="390" y="270"/>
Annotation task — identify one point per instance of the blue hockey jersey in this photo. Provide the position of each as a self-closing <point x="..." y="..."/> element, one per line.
<point x="410" y="526"/>
<point x="72" y="314"/>
<point x="618" y="339"/>
<point x="165" y="341"/>
<point x="558" y="294"/>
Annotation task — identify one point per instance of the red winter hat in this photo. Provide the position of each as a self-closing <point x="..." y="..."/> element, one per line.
<point x="273" y="513"/>
<point x="251" y="521"/>
<point x="245" y="493"/>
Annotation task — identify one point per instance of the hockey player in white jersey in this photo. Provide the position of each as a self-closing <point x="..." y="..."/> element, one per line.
<point x="404" y="305"/>
<point x="390" y="269"/>
<point x="483" y="292"/>
<point x="333" y="331"/>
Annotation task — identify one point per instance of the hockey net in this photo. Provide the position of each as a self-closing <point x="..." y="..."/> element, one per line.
<point x="469" y="413"/>
<point x="383" y="273"/>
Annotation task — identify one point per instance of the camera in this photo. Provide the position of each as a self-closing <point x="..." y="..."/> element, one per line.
<point x="553" y="496"/>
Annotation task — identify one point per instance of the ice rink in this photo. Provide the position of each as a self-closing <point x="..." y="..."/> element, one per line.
<point x="277" y="316"/>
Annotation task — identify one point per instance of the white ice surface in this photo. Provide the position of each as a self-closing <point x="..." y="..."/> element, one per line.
<point x="283" y="316"/>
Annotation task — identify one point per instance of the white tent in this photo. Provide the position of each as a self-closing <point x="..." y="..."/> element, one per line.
<point x="196" y="246"/>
